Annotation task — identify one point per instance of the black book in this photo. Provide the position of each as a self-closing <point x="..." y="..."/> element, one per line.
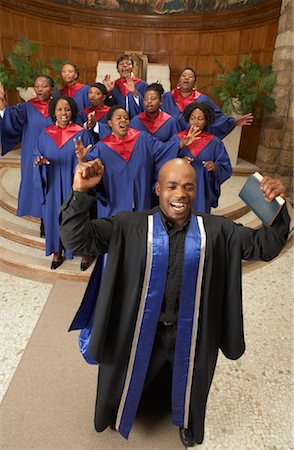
<point x="252" y="195"/>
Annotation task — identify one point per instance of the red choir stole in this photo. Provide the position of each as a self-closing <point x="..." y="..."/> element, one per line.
<point x="100" y="111"/>
<point x="123" y="146"/>
<point x="197" y="146"/>
<point x="153" y="125"/>
<point x="62" y="135"/>
<point x="181" y="101"/>
<point x="42" y="107"/>
<point x="70" y="91"/>
<point x="120" y="83"/>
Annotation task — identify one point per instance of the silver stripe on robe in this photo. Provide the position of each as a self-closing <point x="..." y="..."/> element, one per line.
<point x="139" y="321"/>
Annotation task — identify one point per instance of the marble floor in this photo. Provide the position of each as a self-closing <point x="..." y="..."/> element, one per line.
<point x="253" y="396"/>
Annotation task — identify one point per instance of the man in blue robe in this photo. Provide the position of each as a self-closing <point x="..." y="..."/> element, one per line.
<point x="170" y="293"/>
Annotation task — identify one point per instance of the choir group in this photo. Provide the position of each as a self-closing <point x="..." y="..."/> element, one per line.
<point x="134" y="128"/>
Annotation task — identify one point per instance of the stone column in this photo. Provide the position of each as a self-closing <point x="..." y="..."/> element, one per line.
<point x="275" y="150"/>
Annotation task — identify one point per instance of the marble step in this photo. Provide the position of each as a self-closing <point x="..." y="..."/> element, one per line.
<point x="29" y="260"/>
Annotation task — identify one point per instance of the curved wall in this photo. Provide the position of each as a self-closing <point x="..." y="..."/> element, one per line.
<point x="86" y="36"/>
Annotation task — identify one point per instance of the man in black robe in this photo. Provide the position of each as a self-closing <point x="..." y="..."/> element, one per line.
<point x="170" y="292"/>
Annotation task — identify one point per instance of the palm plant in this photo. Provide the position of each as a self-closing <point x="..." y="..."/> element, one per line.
<point x="23" y="64"/>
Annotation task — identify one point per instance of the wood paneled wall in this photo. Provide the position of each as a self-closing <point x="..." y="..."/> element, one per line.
<point x="86" y="36"/>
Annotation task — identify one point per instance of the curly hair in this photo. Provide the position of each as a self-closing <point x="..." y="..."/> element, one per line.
<point x="205" y="107"/>
<point x="192" y="70"/>
<point x="70" y="101"/>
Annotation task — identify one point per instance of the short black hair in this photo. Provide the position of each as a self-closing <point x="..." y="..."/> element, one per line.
<point x="110" y="112"/>
<point x="157" y="87"/>
<point x="49" y="79"/>
<point x="192" y="70"/>
<point x="70" y="101"/>
<point x="74" y="66"/>
<point x="205" y="107"/>
<point x="101" y="87"/>
<point x="124" y="58"/>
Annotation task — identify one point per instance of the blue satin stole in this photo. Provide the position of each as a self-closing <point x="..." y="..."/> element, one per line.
<point x="148" y="316"/>
<point x="84" y="317"/>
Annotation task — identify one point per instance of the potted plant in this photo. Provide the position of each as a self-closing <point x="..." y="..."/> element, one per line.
<point x="23" y="64"/>
<point x="245" y="89"/>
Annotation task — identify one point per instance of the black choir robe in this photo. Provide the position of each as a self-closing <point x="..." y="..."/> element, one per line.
<point x="217" y="317"/>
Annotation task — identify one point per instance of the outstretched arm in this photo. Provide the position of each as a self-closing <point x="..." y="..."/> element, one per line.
<point x="77" y="232"/>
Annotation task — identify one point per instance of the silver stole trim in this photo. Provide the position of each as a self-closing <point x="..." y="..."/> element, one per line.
<point x="139" y="321"/>
<point x="195" y="320"/>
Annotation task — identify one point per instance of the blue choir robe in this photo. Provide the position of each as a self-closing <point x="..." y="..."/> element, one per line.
<point x="79" y="92"/>
<point x="131" y="167"/>
<point x="23" y="124"/>
<point x="163" y="127"/>
<point x="54" y="181"/>
<point x="121" y="96"/>
<point x="174" y="103"/>
<point x="208" y="183"/>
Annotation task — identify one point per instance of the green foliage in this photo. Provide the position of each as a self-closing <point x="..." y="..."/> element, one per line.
<point x="23" y="65"/>
<point x="249" y="85"/>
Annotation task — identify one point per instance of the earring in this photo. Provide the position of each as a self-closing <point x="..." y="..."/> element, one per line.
<point x="178" y="86"/>
<point x="194" y="88"/>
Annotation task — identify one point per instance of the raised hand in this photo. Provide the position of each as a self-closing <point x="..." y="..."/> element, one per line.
<point x="87" y="175"/>
<point x="40" y="160"/>
<point x="272" y="188"/>
<point x="80" y="150"/>
<point x="193" y="135"/>
<point x="247" y="119"/>
<point x="108" y="83"/>
<point x="91" y="120"/>
<point x="131" y="84"/>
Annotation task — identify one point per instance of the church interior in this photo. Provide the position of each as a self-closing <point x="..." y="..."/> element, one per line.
<point x="47" y="390"/>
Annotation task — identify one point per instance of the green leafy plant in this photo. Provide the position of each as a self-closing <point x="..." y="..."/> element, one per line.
<point x="246" y="88"/>
<point x="24" y="63"/>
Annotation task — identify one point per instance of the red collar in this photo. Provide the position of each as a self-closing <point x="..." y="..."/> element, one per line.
<point x="42" y="107"/>
<point x="197" y="146"/>
<point x="62" y="135"/>
<point x="100" y="111"/>
<point x="120" y="83"/>
<point x="71" y="91"/>
<point x="153" y="125"/>
<point x="125" y="146"/>
<point x="181" y="101"/>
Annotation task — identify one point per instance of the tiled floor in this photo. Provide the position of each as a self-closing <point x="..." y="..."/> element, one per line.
<point x="252" y="396"/>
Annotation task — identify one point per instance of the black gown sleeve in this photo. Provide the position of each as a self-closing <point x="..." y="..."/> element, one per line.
<point x="80" y="234"/>
<point x="266" y="242"/>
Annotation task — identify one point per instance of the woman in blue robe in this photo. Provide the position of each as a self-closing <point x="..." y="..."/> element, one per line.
<point x="185" y="93"/>
<point x="93" y="118"/>
<point x="131" y="159"/>
<point x="23" y="124"/>
<point x="78" y="91"/>
<point x="154" y="121"/>
<point x="207" y="154"/>
<point x="127" y="91"/>
<point x="55" y="161"/>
